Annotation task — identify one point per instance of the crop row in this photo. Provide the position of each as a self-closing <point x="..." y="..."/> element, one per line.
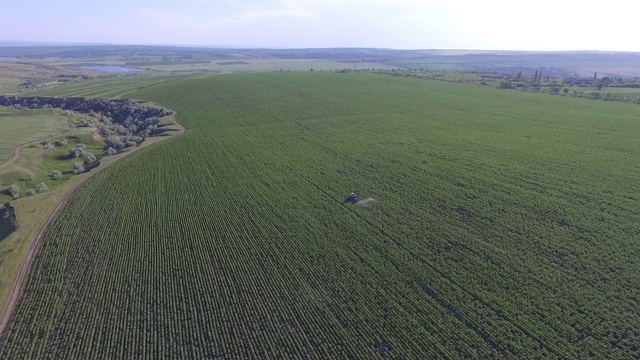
<point x="493" y="232"/>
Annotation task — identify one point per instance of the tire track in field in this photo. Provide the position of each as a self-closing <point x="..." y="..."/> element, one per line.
<point x="25" y="265"/>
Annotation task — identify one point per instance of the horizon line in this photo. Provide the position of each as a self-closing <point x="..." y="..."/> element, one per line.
<point x="34" y="43"/>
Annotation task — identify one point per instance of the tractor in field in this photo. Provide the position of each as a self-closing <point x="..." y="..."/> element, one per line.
<point x="352" y="198"/>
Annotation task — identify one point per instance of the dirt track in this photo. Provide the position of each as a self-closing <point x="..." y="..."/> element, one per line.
<point x="16" y="156"/>
<point x="25" y="264"/>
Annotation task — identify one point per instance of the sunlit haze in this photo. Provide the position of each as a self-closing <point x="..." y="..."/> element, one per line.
<point x="400" y="24"/>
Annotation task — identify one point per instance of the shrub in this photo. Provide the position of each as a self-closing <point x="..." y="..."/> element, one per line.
<point x="13" y="190"/>
<point x="89" y="158"/>
<point x="77" y="151"/>
<point x="56" y="174"/>
<point x="42" y="187"/>
<point x="110" y="151"/>
<point x="62" y="142"/>
<point x="78" y="168"/>
<point x="505" y="84"/>
<point x="31" y="192"/>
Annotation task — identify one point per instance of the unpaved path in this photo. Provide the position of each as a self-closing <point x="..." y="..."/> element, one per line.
<point x="16" y="155"/>
<point x="25" y="264"/>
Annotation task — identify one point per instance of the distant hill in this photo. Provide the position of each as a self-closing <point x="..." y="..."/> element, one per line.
<point x="556" y="63"/>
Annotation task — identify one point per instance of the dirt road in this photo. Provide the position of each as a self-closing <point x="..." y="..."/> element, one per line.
<point x="16" y="156"/>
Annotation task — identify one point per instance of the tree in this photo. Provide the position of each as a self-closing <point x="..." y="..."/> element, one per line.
<point x="89" y="158"/>
<point x="78" y="168"/>
<point x="565" y="91"/>
<point x="595" y="76"/>
<point x="535" y="76"/>
<point x="42" y="187"/>
<point x="13" y="190"/>
<point x="505" y="84"/>
<point x="605" y="81"/>
<point x="555" y="90"/>
<point x="77" y="151"/>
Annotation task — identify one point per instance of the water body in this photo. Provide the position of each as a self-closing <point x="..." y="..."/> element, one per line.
<point x="110" y="69"/>
<point x="8" y="58"/>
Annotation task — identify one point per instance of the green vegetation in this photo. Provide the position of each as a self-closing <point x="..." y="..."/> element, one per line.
<point x="43" y="176"/>
<point x="503" y="226"/>
<point x="231" y="62"/>
<point x="268" y="65"/>
<point x="19" y="77"/>
<point x="25" y="126"/>
<point x="112" y="87"/>
<point x="37" y="164"/>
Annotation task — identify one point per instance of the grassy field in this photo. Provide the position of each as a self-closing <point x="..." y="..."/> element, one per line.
<point x="13" y="74"/>
<point x="267" y="65"/>
<point x="109" y="88"/>
<point x="583" y="64"/>
<point x="502" y="224"/>
<point x="40" y="162"/>
<point x="24" y="126"/>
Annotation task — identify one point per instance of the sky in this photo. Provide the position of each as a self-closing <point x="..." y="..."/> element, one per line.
<point x="398" y="24"/>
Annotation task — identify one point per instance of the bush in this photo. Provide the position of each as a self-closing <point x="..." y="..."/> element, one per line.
<point x="42" y="187"/>
<point x="31" y="192"/>
<point x="56" y="174"/>
<point x="77" y="151"/>
<point x="62" y="142"/>
<point x="89" y="158"/>
<point x="13" y="190"/>
<point x="505" y="84"/>
<point x="110" y="151"/>
<point x="78" y="168"/>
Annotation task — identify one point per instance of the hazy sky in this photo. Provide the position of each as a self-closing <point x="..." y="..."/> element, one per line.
<point x="402" y="24"/>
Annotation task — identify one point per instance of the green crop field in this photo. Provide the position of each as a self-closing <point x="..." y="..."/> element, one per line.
<point x="268" y="65"/>
<point x="497" y="224"/>
<point x="109" y="88"/>
<point x="24" y="126"/>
